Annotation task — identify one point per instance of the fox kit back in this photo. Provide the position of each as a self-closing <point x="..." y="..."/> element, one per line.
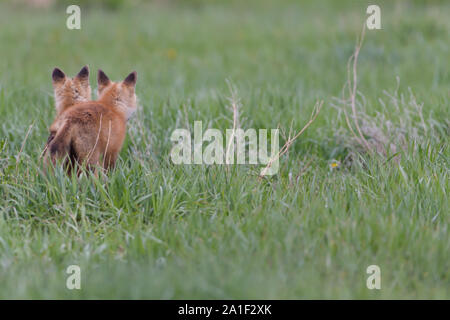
<point x="95" y="130"/>
<point x="67" y="92"/>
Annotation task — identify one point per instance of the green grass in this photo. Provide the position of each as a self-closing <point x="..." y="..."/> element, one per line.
<point x="158" y="230"/>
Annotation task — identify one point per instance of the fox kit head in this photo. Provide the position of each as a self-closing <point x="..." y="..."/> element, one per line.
<point x="69" y="91"/>
<point x="119" y="94"/>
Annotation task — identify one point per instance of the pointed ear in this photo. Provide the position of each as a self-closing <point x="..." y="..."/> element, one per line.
<point x="58" y="75"/>
<point x="83" y="75"/>
<point x="131" y="79"/>
<point x="102" y="80"/>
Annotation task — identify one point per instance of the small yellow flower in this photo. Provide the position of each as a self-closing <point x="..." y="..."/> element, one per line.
<point x="171" y="54"/>
<point x="334" y="165"/>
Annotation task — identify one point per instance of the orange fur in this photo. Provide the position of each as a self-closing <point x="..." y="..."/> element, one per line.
<point x="69" y="91"/>
<point x="92" y="133"/>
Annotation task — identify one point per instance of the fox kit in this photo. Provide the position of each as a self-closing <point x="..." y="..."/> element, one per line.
<point x="90" y="131"/>
<point x="69" y="91"/>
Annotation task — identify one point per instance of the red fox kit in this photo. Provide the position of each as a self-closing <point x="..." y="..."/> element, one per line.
<point x="69" y="91"/>
<point x="90" y="131"/>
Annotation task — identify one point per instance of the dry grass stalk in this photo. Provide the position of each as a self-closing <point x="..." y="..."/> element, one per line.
<point x="352" y="81"/>
<point x="290" y="141"/>
<point x="107" y="145"/>
<point x="23" y="145"/>
<point x="235" y="104"/>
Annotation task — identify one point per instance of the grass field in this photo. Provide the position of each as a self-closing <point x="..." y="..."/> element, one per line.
<point x="157" y="230"/>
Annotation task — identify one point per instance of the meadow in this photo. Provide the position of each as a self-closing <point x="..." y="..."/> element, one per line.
<point x="155" y="230"/>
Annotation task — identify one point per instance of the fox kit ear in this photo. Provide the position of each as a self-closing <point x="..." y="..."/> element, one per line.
<point x="58" y="75"/>
<point x="131" y="79"/>
<point x="102" y="80"/>
<point x="83" y="74"/>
